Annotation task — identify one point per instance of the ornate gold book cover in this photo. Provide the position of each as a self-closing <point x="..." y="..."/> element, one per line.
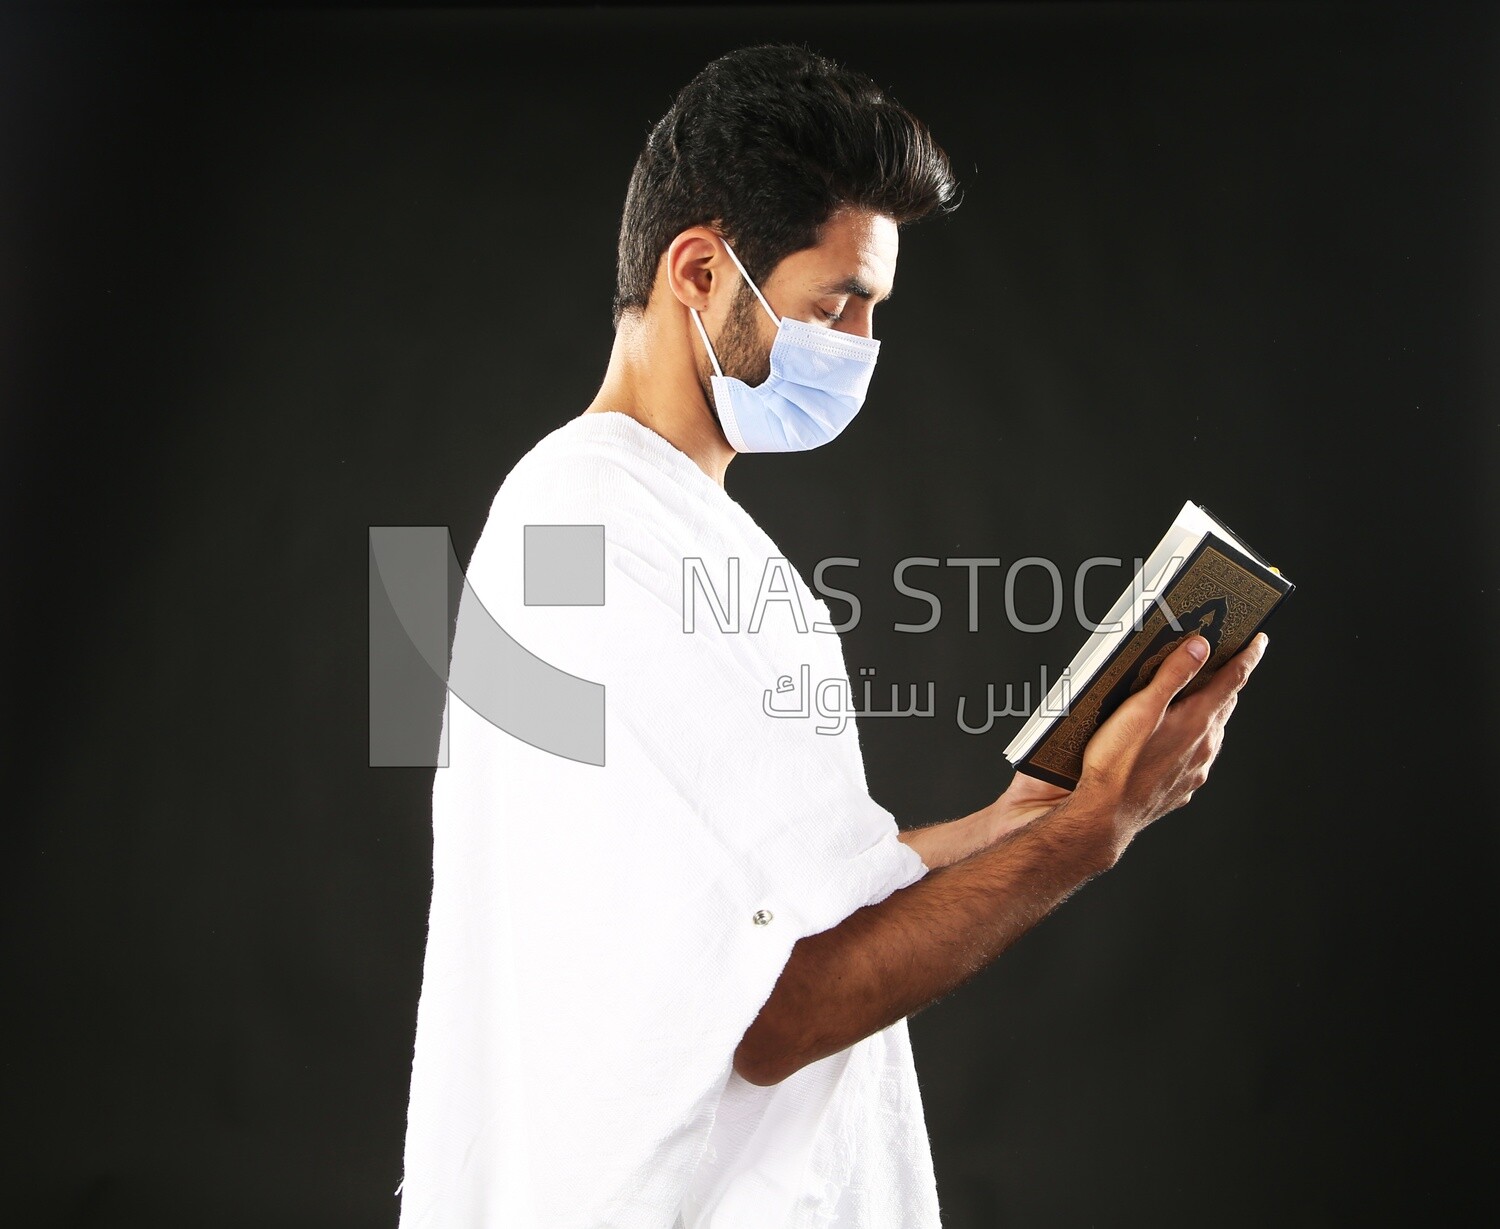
<point x="1218" y="593"/>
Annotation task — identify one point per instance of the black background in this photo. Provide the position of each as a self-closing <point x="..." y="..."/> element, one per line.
<point x="273" y="276"/>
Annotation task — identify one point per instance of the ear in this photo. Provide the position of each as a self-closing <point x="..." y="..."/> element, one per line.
<point x="693" y="267"/>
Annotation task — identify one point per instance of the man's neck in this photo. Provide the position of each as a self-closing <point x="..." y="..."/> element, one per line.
<point x="652" y="377"/>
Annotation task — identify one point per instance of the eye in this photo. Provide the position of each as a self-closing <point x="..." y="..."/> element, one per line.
<point x="832" y="317"/>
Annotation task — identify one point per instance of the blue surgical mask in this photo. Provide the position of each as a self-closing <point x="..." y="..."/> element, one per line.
<point x="816" y="386"/>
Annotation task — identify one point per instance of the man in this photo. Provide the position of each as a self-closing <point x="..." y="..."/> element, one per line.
<point x="672" y="990"/>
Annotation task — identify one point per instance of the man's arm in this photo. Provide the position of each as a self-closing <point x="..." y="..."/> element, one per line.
<point x="888" y="960"/>
<point x="942" y="844"/>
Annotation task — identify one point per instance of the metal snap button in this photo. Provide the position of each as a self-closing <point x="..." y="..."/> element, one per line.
<point x="761" y="917"/>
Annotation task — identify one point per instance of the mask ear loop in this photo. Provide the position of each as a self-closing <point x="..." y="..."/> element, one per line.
<point x="703" y="333"/>
<point x="775" y="319"/>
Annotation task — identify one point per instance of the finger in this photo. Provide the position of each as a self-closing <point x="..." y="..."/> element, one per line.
<point x="1236" y="672"/>
<point x="1178" y="670"/>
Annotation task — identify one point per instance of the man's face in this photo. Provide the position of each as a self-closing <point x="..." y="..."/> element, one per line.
<point x="836" y="283"/>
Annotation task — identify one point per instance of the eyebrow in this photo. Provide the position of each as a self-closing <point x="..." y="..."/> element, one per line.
<point x="852" y="285"/>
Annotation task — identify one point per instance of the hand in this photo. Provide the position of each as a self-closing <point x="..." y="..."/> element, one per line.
<point x="1156" y="750"/>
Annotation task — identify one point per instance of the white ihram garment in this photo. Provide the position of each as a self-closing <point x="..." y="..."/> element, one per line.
<point x="593" y="956"/>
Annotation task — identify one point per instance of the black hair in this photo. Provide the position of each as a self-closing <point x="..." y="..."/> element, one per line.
<point x="765" y="143"/>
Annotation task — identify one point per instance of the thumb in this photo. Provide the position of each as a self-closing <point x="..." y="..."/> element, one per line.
<point x="1178" y="670"/>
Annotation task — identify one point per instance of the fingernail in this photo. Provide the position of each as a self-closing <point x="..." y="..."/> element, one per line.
<point x="1197" y="648"/>
<point x="1265" y="642"/>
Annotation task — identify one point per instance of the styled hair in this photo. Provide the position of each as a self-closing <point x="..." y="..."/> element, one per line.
<point x="765" y="144"/>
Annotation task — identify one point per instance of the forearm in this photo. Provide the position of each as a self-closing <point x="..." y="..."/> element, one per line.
<point x="889" y="960"/>
<point x="945" y="843"/>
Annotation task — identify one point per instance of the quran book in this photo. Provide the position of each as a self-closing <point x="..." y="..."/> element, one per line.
<point x="1201" y="579"/>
